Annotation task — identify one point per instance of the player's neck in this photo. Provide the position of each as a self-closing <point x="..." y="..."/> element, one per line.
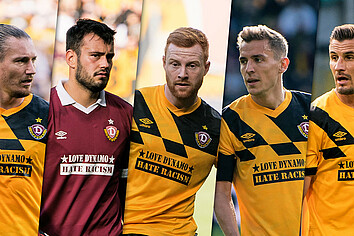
<point x="7" y="102"/>
<point x="180" y="103"/>
<point x="80" y="94"/>
<point x="346" y="99"/>
<point x="270" y="100"/>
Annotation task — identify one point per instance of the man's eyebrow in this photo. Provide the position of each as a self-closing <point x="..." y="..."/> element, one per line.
<point x="96" y="52"/>
<point x="345" y="53"/>
<point x="257" y="55"/>
<point x="253" y="56"/>
<point x="25" y="57"/>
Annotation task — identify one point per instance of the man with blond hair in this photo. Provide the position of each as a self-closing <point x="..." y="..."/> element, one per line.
<point x="23" y="135"/>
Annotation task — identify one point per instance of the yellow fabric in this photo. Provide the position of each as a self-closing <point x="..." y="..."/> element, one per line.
<point x="331" y="208"/>
<point x="157" y="205"/>
<point x="267" y="206"/>
<point x="20" y="195"/>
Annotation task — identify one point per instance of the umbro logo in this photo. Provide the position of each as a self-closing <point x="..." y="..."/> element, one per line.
<point x="61" y="134"/>
<point x="146" y="122"/>
<point x="340" y="135"/>
<point x="248" y="137"/>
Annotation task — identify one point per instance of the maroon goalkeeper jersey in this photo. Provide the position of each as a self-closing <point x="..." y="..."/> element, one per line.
<point x="84" y="158"/>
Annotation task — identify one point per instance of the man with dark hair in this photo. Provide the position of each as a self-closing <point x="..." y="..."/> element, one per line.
<point x="175" y="136"/>
<point x="263" y="139"/>
<point x="330" y="154"/>
<point x="23" y="129"/>
<point x="88" y="143"/>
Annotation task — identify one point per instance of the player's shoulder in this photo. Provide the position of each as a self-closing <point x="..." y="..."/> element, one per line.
<point x="149" y="91"/>
<point x="38" y="108"/>
<point x="210" y="111"/>
<point x="324" y="99"/>
<point x="237" y="103"/>
<point x="301" y="95"/>
<point x="40" y="101"/>
<point x="115" y="100"/>
<point x="39" y="105"/>
<point x="319" y="107"/>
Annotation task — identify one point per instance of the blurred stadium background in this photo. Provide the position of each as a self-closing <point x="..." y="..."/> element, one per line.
<point x="38" y="19"/>
<point x="332" y="13"/>
<point x="295" y="19"/>
<point x="122" y="16"/>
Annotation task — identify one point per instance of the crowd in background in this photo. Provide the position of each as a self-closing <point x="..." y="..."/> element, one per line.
<point x="295" y="19"/>
<point x="38" y="19"/>
<point x="124" y="17"/>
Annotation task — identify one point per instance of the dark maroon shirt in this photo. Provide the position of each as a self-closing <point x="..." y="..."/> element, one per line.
<point x="85" y="153"/>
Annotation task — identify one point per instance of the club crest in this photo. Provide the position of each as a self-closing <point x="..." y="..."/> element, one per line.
<point x="111" y="133"/>
<point x="37" y="131"/>
<point x="202" y="138"/>
<point x="304" y="128"/>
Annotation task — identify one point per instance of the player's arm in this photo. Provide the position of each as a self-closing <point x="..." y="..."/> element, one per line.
<point x="123" y="174"/>
<point x="224" y="208"/>
<point x="223" y="205"/>
<point x="312" y="155"/>
<point x="307" y="183"/>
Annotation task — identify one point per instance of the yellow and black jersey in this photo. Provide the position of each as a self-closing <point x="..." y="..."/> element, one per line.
<point x="171" y="154"/>
<point x="23" y="137"/>
<point x="330" y="159"/>
<point x="262" y="151"/>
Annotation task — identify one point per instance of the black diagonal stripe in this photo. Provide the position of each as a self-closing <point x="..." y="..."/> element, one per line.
<point x="310" y="171"/>
<point x="175" y="148"/>
<point x="142" y="111"/>
<point x="245" y="155"/>
<point x="285" y="149"/>
<point x="190" y="124"/>
<point x="330" y="126"/>
<point x="239" y="128"/>
<point x="11" y="144"/>
<point x="332" y="153"/>
<point x="226" y="166"/>
<point x="20" y="121"/>
<point x="291" y="117"/>
<point x="136" y="137"/>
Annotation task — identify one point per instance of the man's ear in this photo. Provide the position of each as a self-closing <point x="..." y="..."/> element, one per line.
<point x="207" y="66"/>
<point x="284" y="64"/>
<point x="164" y="60"/>
<point x="71" y="58"/>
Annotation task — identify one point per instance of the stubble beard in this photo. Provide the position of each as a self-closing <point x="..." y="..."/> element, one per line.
<point x="345" y="91"/>
<point x="184" y="95"/>
<point x="88" y="81"/>
<point x="21" y="94"/>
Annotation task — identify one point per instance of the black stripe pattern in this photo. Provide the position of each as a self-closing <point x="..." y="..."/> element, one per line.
<point x="334" y="130"/>
<point x="188" y="127"/>
<point x="287" y="121"/>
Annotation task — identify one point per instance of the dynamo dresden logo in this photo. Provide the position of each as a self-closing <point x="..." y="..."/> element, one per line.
<point x="37" y="131"/>
<point x="304" y="129"/>
<point x="111" y="133"/>
<point x="202" y="138"/>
